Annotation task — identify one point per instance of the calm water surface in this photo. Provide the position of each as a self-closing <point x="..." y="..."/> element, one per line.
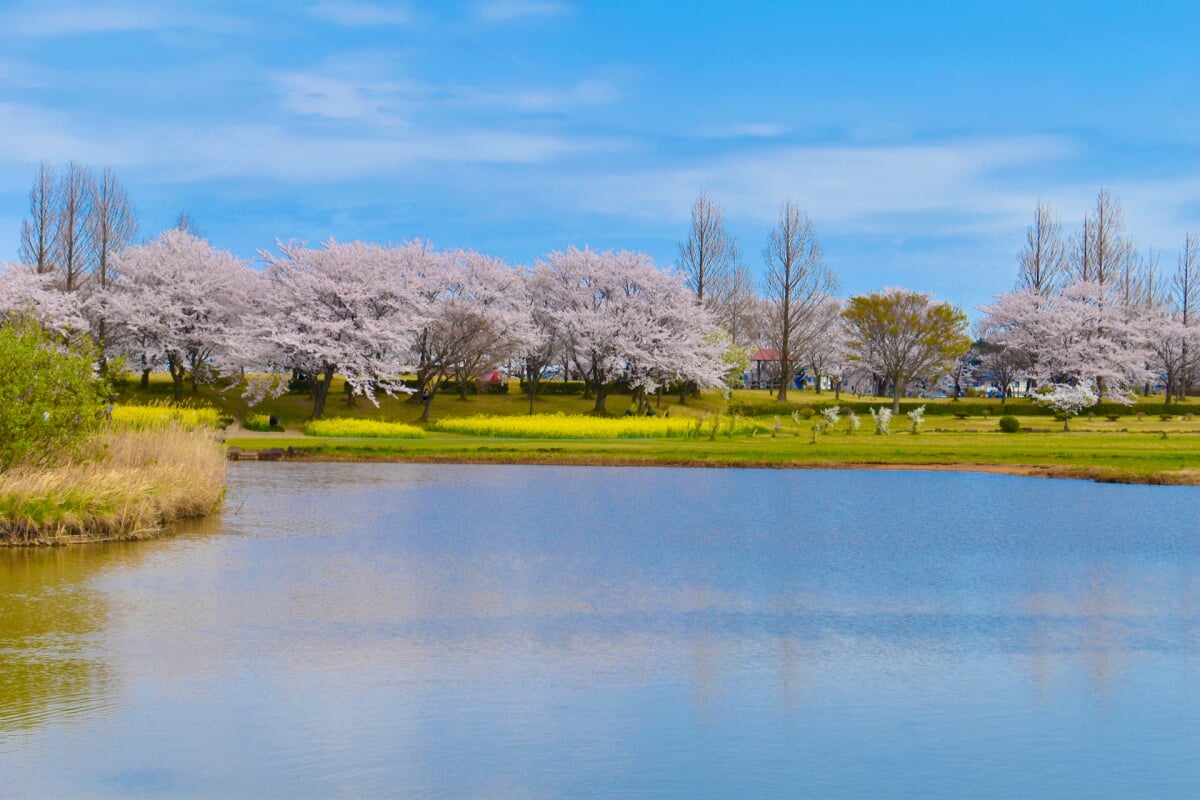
<point x="473" y="631"/>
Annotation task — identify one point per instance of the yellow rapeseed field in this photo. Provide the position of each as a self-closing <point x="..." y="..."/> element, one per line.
<point x="562" y="426"/>
<point x="362" y="429"/>
<point x="146" y="418"/>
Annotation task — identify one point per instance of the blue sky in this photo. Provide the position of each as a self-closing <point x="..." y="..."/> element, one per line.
<point x="919" y="137"/>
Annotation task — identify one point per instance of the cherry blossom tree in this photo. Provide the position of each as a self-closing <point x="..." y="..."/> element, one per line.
<point x="1067" y="400"/>
<point x="472" y="312"/>
<point x="185" y="304"/>
<point x="341" y="308"/>
<point x="621" y="318"/>
<point x="1077" y="336"/>
<point x="23" y="290"/>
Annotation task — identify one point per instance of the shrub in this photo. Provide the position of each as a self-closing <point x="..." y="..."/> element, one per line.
<point x="917" y="416"/>
<point x="807" y="412"/>
<point x="1010" y="424"/>
<point x="1112" y="417"/>
<point x="49" y="396"/>
<point x="261" y="422"/>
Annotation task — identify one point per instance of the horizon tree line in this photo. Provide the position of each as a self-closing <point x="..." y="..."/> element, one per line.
<point x="1086" y="308"/>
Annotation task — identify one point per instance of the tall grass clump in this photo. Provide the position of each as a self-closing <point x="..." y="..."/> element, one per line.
<point x="362" y="429"/>
<point x="563" y="426"/>
<point x="140" y="481"/>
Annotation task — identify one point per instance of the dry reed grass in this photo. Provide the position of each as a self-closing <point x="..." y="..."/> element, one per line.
<point x="142" y="480"/>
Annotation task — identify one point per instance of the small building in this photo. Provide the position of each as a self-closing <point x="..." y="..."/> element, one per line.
<point x="764" y="369"/>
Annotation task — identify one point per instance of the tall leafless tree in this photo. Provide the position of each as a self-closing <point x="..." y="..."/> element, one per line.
<point x="112" y="225"/>
<point x="797" y="283"/>
<point x="709" y="255"/>
<point x="73" y="250"/>
<point x="39" y="231"/>
<point x="186" y="222"/>
<point x="1044" y="259"/>
<point x="1101" y="247"/>
<point x="708" y="258"/>
<point x="743" y="318"/>
<point x="1185" y="284"/>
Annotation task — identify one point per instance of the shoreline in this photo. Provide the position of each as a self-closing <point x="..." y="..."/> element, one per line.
<point x="1054" y="471"/>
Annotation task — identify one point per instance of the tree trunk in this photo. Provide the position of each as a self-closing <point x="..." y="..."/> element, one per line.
<point x="320" y="391"/>
<point x="601" y="397"/>
<point x="427" y="403"/>
<point x="895" y="398"/>
<point x="532" y="388"/>
<point x="146" y="378"/>
<point x="177" y="372"/>
<point x="461" y="376"/>
<point x="783" y="384"/>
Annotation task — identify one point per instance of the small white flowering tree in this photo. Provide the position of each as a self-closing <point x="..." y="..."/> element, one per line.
<point x="853" y="423"/>
<point x="883" y="420"/>
<point x="1066" y="401"/>
<point x="917" y="417"/>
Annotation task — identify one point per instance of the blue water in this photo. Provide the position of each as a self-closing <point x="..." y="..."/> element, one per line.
<point x="461" y="631"/>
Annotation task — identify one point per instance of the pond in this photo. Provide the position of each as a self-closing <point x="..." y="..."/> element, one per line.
<point x="512" y="631"/>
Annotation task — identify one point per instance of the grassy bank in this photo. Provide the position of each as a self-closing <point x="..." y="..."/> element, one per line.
<point x="140" y="481"/>
<point x="1137" y="445"/>
<point x="1132" y="457"/>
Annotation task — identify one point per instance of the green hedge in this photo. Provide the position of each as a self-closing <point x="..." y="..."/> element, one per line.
<point x="942" y="408"/>
<point x="557" y="387"/>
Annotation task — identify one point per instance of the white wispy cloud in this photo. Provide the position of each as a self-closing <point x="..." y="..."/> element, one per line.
<point x="373" y="102"/>
<point x="54" y="20"/>
<point x="507" y="10"/>
<point x="582" y="94"/>
<point x="47" y="135"/>
<point x="742" y="130"/>
<point x="850" y="186"/>
<point x="356" y="15"/>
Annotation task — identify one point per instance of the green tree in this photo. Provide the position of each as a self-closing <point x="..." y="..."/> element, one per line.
<point x="903" y="336"/>
<point x="49" y="396"/>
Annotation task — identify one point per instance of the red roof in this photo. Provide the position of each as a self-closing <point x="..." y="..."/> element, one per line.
<point x="763" y="354"/>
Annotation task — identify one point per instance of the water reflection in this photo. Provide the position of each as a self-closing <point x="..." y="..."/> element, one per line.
<point x="404" y="629"/>
<point x="49" y="622"/>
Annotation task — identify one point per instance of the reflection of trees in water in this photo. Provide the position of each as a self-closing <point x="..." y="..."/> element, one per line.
<point x="49" y="617"/>
<point x="1095" y="623"/>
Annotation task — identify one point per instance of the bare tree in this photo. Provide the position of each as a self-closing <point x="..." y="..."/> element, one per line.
<point x="1044" y="259"/>
<point x="73" y="251"/>
<point x="797" y="283"/>
<point x="710" y="255"/>
<point x="1101" y="247"/>
<point x="112" y="224"/>
<point x="743" y="307"/>
<point x="38" y="233"/>
<point x="1185" y="284"/>
<point x="708" y="259"/>
<point x="186" y="223"/>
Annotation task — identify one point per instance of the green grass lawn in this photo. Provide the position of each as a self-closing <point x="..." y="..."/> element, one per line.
<point x="1136" y="447"/>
